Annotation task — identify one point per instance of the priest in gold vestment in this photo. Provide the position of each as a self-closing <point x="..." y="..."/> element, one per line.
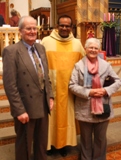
<point x="63" y="51"/>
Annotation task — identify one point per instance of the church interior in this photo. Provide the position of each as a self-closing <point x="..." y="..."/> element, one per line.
<point x="90" y="18"/>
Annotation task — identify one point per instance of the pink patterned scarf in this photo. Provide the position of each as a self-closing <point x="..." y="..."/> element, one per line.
<point x="96" y="102"/>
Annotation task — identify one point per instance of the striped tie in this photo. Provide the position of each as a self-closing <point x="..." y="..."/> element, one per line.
<point x="39" y="69"/>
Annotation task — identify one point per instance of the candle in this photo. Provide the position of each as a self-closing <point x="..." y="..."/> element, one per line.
<point x="112" y="16"/>
<point x="48" y="21"/>
<point x="108" y="16"/>
<point x="104" y="17"/>
<point x="42" y="21"/>
<point x="38" y="20"/>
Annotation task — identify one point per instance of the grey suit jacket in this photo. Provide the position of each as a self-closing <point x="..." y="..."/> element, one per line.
<point x="82" y="100"/>
<point x="21" y="81"/>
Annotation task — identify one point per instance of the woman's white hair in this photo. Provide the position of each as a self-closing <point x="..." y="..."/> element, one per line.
<point x="92" y="40"/>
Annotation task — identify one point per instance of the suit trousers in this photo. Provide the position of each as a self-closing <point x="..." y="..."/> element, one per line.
<point x="93" y="140"/>
<point x="34" y="132"/>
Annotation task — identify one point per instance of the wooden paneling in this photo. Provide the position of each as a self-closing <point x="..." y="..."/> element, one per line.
<point x="115" y="4"/>
<point x="88" y="30"/>
<point x="68" y="8"/>
<point x="42" y="12"/>
<point x="4" y="10"/>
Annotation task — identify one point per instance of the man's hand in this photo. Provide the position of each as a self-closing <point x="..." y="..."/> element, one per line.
<point x="23" y="118"/>
<point x="51" y="103"/>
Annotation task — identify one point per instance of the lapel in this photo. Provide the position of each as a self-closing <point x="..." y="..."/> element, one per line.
<point x="102" y="66"/>
<point x="82" y="64"/>
<point x="42" y="55"/>
<point x="23" y="52"/>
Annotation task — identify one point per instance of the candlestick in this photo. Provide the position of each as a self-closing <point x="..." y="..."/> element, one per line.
<point x="48" y="22"/>
<point x="38" y="20"/>
<point x="38" y="29"/>
<point x="104" y="17"/>
<point x="112" y="16"/>
<point x="108" y="16"/>
<point x="42" y="21"/>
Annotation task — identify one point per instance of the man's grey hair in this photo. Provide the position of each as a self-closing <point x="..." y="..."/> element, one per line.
<point x="23" y="19"/>
<point x="93" y="40"/>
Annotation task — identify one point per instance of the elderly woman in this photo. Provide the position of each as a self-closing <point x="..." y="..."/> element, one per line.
<point x="86" y="84"/>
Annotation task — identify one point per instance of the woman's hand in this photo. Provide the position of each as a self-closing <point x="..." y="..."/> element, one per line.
<point x="99" y="92"/>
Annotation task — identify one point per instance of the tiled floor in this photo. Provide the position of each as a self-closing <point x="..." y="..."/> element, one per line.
<point x="115" y="155"/>
<point x="110" y="156"/>
<point x="7" y="153"/>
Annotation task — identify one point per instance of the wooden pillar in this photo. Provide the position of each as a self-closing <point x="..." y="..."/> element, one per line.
<point x="53" y="13"/>
<point x="7" y="11"/>
<point x="90" y="11"/>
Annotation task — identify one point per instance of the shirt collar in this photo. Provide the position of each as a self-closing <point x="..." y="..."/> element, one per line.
<point x="27" y="45"/>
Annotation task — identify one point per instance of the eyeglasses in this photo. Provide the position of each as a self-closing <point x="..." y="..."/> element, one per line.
<point x="66" y="26"/>
<point x="93" y="48"/>
<point x="30" y="29"/>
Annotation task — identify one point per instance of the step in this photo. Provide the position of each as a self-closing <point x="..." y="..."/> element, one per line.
<point x="6" y="120"/>
<point x="114" y="136"/>
<point x="4" y="106"/>
<point x="7" y="152"/>
<point x="1" y="72"/>
<point x="117" y="112"/>
<point x="2" y="94"/>
<point x="117" y="93"/>
<point x="7" y="135"/>
<point x="117" y="115"/>
<point x="1" y="81"/>
<point x="116" y="99"/>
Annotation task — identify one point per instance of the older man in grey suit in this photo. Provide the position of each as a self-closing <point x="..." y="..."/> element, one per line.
<point x="30" y="100"/>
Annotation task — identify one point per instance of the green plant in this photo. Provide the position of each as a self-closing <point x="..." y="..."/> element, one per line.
<point x="109" y="24"/>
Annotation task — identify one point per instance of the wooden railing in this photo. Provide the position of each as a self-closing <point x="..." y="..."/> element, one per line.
<point x="8" y="35"/>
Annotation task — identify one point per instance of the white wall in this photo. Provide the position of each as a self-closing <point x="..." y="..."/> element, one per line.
<point x="40" y="3"/>
<point x="21" y="6"/>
